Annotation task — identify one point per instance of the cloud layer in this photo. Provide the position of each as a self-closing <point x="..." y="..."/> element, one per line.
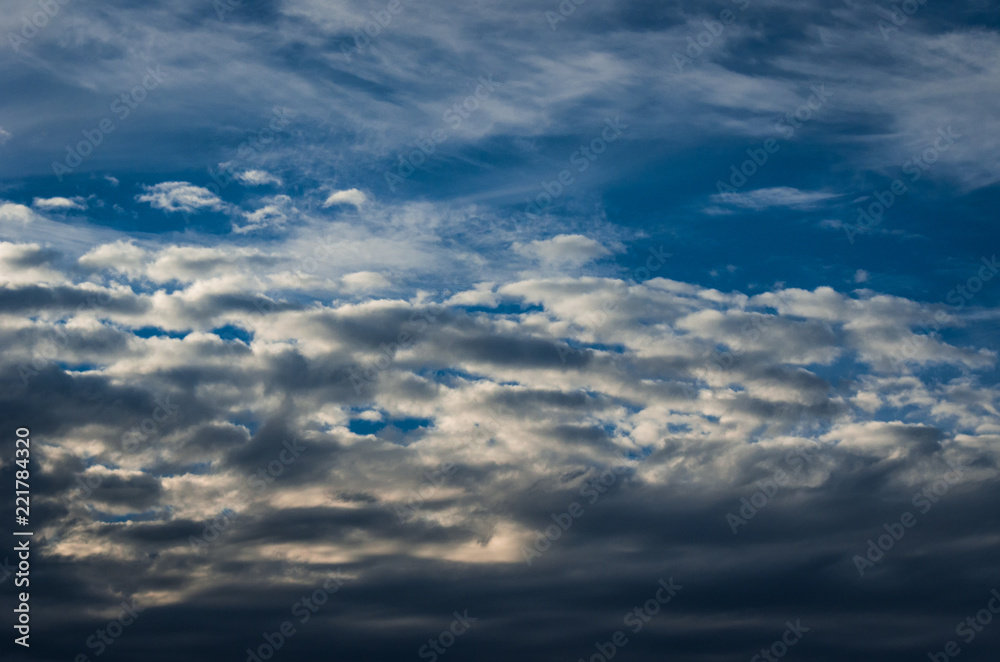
<point x="487" y="326"/>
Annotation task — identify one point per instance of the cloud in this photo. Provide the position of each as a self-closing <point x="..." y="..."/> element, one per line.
<point x="25" y="264"/>
<point x="12" y="213"/>
<point x="258" y="178"/>
<point x="780" y="196"/>
<point x="123" y="256"/>
<point x="451" y="379"/>
<point x="365" y="281"/>
<point x="564" y="249"/>
<point x="526" y="406"/>
<point x="4" y="135"/>
<point x="58" y="204"/>
<point x="349" y="197"/>
<point x="272" y="216"/>
<point x="180" y="197"/>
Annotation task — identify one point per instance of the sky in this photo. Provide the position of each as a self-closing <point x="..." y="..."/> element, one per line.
<point x="556" y="330"/>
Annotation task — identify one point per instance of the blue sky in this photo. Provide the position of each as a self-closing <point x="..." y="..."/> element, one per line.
<point x="472" y="256"/>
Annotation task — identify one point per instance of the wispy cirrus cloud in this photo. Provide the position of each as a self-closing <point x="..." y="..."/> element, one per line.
<point x="779" y="196"/>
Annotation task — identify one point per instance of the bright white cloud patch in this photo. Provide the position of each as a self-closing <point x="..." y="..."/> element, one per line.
<point x="365" y="281"/>
<point x="58" y="204"/>
<point x="352" y="196"/>
<point x="123" y="256"/>
<point x="181" y="197"/>
<point x="258" y="178"/>
<point x="13" y="213"/>
<point x="564" y="249"/>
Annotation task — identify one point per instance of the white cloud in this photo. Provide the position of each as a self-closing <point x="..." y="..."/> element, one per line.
<point x="351" y="196"/>
<point x="646" y="382"/>
<point x="779" y="196"/>
<point x="24" y="264"/>
<point x="564" y="250"/>
<point x="482" y="295"/>
<point x="13" y="214"/>
<point x="4" y="135"/>
<point x="258" y="178"/>
<point x="58" y="204"/>
<point x="365" y="281"/>
<point x="274" y="215"/>
<point x="181" y="196"/>
<point x="123" y="256"/>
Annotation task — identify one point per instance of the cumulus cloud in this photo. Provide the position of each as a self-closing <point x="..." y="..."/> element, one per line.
<point x="365" y="281"/>
<point x="59" y="204"/>
<point x="416" y="391"/>
<point x="258" y="178"/>
<point x="530" y="404"/>
<point x="564" y="249"/>
<point x="12" y="213"/>
<point x="181" y="197"/>
<point x="351" y="196"/>
<point x="123" y="256"/>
